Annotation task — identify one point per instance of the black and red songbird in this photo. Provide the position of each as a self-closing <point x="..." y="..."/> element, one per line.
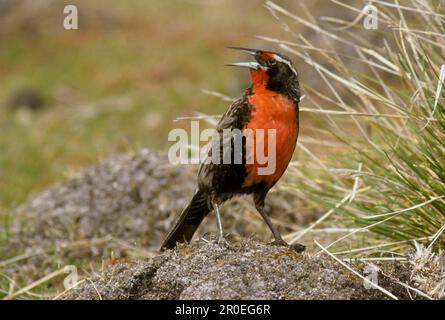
<point x="270" y="103"/>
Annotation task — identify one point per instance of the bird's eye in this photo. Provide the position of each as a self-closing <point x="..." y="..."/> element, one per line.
<point x="271" y="62"/>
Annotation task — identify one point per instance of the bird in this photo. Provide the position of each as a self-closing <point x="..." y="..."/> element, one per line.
<point x="270" y="103"/>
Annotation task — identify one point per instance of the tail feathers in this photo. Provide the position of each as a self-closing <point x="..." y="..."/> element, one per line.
<point x="189" y="220"/>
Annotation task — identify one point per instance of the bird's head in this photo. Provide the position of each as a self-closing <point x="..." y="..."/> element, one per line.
<point x="272" y="70"/>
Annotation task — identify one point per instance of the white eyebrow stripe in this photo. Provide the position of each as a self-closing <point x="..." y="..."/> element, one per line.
<point x="278" y="58"/>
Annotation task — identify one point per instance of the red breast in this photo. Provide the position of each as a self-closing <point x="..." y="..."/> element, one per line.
<point x="271" y="110"/>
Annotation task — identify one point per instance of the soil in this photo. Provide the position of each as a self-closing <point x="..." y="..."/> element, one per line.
<point x="243" y="270"/>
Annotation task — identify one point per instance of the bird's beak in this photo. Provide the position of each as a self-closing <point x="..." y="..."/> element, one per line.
<point x="252" y="52"/>
<point x="249" y="65"/>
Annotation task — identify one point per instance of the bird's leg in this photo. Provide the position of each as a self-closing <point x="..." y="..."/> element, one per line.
<point x="218" y="220"/>
<point x="276" y="234"/>
<point x="279" y="241"/>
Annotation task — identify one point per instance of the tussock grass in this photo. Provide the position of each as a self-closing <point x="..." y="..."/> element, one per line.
<point x="380" y="105"/>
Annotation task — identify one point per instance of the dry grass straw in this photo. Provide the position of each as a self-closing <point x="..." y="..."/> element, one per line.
<point x="383" y="102"/>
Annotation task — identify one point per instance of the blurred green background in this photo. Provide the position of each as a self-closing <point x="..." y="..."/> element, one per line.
<point x="70" y="98"/>
<point x="114" y="85"/>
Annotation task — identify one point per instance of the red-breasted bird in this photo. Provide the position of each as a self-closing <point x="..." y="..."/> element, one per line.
<point x="270" y="103"/>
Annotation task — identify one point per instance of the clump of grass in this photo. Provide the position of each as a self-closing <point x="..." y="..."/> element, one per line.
<point x="380" y="109"/>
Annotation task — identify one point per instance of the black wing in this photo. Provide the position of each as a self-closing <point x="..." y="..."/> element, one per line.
<point x="215" y="174"/>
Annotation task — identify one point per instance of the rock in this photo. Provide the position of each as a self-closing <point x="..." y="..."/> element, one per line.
<point x="244" y="270"/>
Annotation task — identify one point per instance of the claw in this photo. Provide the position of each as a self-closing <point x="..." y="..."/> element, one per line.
<point x="297" y="247"/>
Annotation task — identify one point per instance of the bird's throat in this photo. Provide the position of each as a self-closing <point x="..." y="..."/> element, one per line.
<point x="259" y="79"/>
<point x="263" y="83"/>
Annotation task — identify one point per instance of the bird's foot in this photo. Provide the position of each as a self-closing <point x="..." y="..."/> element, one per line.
<point x="222" y="240"/>
<point x="297" y="247"/>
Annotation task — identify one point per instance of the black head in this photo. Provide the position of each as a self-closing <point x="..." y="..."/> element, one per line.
<point x="281" y="73"/>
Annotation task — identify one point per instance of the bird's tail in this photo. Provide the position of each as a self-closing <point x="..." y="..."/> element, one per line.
<point x="189" y="220"/>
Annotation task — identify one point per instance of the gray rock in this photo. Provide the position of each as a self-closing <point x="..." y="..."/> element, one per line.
<point x="244" y="270"/>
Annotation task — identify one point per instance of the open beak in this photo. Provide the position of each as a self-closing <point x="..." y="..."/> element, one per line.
<point x="250" y="65"/>
<point x="252" y="52"/>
